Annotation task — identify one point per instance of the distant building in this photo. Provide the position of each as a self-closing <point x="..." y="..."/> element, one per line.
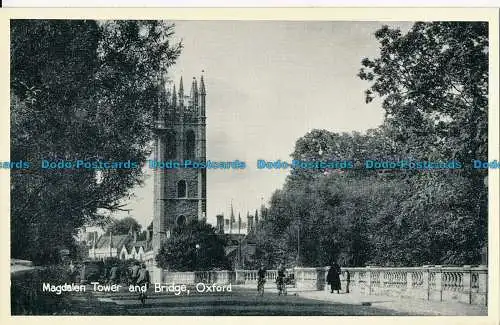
<point x="240" y="241"/>
<point x="88" y="234"/>
<point x="120" y="246"/>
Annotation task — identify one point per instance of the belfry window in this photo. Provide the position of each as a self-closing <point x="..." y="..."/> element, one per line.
<point x="190" y="145"/>
<point x="181" y="189"/>
<point x="170" y="145"/>
<point x="181" y="221"/>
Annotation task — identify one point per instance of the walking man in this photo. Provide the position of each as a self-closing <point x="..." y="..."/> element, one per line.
<point x="333" y="277"/>
<point x="348" y="280"/>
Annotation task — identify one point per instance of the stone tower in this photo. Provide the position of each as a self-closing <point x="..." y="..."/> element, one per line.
<point x="180" y="135"/>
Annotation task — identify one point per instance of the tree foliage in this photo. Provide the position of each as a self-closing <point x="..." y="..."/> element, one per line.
<point x="433" y="82"/>
<point x="85" y="90"/>
<point x="195" y="246"/>
<point x="400" y="219"/>
<point x="434" y="85"/>
<point x="123" y="226"/>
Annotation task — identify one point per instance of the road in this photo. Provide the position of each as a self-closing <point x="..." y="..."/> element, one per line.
<point x="239" y="302"/>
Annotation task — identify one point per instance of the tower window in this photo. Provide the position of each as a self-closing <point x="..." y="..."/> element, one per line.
<point x="181" y="221"/>
<point x="170" y="145"/>
<point x="181" y="188"/>
<point x="190" y="145"/>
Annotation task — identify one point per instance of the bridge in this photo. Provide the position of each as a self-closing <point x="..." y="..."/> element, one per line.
<point x="426" y="290"/>
<point x="374" y="291"/>
<point x="244" y="301"/>
<point x="466" y="284"/>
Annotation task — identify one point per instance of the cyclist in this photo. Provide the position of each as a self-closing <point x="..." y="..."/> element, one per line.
<point x="280" y="280"/>
<point x="134" y="272"/>
<point x="261" y="278"/>
<point x="143" y="279"/>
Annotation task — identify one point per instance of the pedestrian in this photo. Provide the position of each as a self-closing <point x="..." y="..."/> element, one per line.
<point x="113" y="274"/>
<point x="143" y="279"/>
<point x="135" y="272"/>
<point x="261" y="279"/>
<point x="143" y="276"/>
<point x="280" y="280"/>
<point x="71" y="270"/>
<point x="348" y="280"/>
<point x="82" y="274"/>
<point x="333" y="277"/>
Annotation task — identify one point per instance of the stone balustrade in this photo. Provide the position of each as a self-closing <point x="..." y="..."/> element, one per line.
<point x="216" y="277"/>
<point x="464" y="284"/>
<point x="437" y="283"/>
<point x="250" y="277"/>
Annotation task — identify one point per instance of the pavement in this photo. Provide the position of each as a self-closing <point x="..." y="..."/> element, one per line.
<point x="239" y="302"/>
<point x="244" y="301"/>
<point x="415" y="307"/>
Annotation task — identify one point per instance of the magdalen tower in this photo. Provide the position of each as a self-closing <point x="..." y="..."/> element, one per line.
<point x="180" y="134"/>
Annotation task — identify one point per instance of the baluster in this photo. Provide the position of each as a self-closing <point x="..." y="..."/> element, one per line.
<point x="466" y="283"/>
<point x="368" y="281"/>
<point x="439" y="281"/>
<point x="482" y="282"/>
<point x="409" y="281"/>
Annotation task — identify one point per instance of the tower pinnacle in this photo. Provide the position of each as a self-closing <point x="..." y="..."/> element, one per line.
<point x="194" y="92"/>
<point x="174" y="97"/>
<point x="202" y="86"/>
<point x="181" y="90"/>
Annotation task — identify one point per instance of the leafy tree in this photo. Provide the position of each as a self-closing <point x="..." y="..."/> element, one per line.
<point x="80" y="89"/>
<point x="123" y="226"/>
<point x="195" y="246"/>
<point x="434" y="85"/>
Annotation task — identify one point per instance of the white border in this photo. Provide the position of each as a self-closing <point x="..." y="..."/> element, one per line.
<point x="250" y="3"/>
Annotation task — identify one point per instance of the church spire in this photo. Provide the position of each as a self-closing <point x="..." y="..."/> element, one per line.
<point x="181" y="91"/>
<point x="202" y="85"/>
<point x="239" y="222"/>
<point x="181" y="97"/>
<point x="203" y="93"/>
<point x="159" y="97"/>
<point x="181" y="87"/>
<point x="194" y="92"/>
<point x="231" y="220"/>
<point x="174" y="97"/>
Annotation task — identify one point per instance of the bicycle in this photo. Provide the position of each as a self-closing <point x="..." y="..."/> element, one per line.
<point x="260" y="286"/>
<point x="143" y="296"/>
<point x="281" y="287"/>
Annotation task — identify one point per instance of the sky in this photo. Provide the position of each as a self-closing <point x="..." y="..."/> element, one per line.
<point x="268" y="83"/>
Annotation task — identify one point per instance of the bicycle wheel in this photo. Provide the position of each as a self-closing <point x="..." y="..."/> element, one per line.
<point x="143" y="299"/>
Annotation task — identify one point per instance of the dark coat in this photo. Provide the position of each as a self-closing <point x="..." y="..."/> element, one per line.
<point x="143" y="276"/>
<point x="333" y="277"/>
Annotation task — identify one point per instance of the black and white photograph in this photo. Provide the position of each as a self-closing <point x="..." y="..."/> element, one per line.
<point x="249" y="167"/>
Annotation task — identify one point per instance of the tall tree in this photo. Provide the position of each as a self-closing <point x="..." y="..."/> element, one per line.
<point x="123" y="226"/>
<point x="433" y="81"/>
<point x="434" y="84"/>
<point x="79" y="90"/>
<point x="195" y="246"/>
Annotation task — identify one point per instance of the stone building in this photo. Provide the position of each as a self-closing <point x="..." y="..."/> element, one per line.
<point x="180" y="136"/>
<point x="122" y="246"/>
<point x="240" y="240"/>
